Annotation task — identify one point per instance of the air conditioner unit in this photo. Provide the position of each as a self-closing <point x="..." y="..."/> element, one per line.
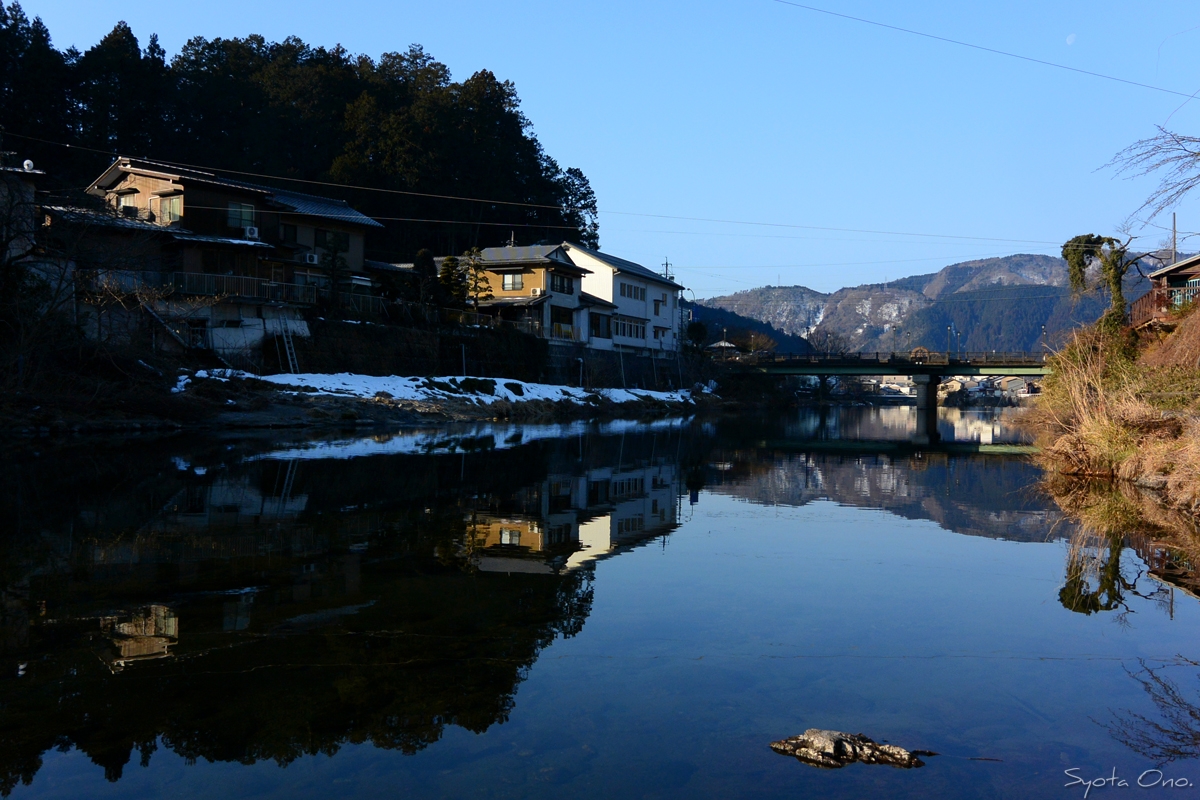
<point x="250" y="232"/>
<point x="312" y="258"/>
<point x="537" y="292"/>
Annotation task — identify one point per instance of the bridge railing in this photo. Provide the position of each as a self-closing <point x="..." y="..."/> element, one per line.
<point x="898" y="360"/>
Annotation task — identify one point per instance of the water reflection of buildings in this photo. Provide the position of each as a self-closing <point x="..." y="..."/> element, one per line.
<point x="569" y="520"/>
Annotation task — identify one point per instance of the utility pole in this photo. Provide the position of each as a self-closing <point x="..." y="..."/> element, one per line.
<point x="1174" y="239"/>
<point x="666" y="268"/>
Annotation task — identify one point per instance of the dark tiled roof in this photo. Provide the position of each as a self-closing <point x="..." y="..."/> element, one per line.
<point x="591" y="300"/>
<point x="383" y="266"/>
<point x="297" y="202"/>
<point x="192" y="237"/>
<point x="527" y="254"/>
<point x="622" y="265"/>
<point x="87" y="216"/>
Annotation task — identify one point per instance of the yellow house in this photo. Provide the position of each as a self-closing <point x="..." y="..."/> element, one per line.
<point x="541" y="286"/>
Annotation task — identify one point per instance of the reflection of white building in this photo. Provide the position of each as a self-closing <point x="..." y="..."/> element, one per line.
<point x="573" y="519"/>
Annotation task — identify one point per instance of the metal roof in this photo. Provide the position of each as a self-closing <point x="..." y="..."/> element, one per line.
<point x="1190" y="261"/>
<point x="192" y="237"/>
<point x="314" y="206"/>
<point x="621" y="265"/>
<point x="513" y="302"/>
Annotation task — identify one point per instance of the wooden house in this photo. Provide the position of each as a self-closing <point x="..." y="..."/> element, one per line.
<point x="1172" y="287"/>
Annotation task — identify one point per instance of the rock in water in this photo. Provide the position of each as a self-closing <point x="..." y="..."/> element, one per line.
<point x="834" y="750"/>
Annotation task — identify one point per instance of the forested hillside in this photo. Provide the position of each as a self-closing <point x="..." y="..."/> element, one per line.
<point x="398" y="122"/>
<point x="740" y="330"/>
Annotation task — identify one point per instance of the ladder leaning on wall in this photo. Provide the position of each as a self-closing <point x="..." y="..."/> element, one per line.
<point x="289" y="349"/>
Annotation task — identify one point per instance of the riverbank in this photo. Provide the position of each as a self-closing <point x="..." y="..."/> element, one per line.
<point x="1124" y="409"/>
<point x="229" y="399"/>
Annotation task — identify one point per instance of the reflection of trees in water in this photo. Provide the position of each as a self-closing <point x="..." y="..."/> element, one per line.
<point x="1094" y="581"/>
<point x="1110" y="519"/>
<point x="1175" y="734"/>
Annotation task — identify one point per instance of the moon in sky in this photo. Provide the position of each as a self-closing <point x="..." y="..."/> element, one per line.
<point x="1071" y="40"/>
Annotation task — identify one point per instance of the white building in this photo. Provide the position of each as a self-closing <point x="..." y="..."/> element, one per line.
<point x="647" y="315"/>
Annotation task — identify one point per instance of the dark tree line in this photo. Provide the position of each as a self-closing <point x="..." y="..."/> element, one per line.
<point x="398" y="123"/>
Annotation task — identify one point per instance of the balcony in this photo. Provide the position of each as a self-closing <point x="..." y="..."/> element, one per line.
<point x="241" y="286"/>
<point x="563" y="331"/>
<point x="1158" y="304"/>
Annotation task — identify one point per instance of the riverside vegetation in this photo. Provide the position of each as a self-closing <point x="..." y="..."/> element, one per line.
<point x="1118" y="430"/>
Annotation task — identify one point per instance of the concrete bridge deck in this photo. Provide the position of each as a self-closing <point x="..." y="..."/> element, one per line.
<point x="908" y="363"/>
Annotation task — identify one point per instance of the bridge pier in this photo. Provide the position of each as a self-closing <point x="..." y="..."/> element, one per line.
<point x="927" y="388"/>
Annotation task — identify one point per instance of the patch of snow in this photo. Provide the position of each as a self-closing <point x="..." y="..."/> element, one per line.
<point x="445" y="388"/>
<point x="182" y="383"/>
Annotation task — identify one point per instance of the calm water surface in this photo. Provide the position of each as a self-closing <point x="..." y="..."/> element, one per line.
<point x="616" y="610"/>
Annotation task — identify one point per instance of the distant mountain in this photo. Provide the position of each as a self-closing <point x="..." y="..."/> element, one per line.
<point x="734" y="326"/>
<point x="994" y="303"/>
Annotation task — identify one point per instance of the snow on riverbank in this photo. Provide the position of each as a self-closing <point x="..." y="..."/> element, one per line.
<point x="480" y="390"/>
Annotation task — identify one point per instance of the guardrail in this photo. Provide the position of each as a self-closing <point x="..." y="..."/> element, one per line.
<point x="905" y="359"/>
<point x="199" y="283"/>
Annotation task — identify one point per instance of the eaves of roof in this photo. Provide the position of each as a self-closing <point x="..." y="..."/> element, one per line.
<point x="622" y="265"/>
<point x="1190" y="261"/>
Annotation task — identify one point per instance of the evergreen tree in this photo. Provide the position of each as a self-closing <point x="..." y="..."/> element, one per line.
<point x="453" y="281"/>
<point x="479" y="288"/>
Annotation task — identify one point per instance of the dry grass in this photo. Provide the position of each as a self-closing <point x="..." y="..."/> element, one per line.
<point x="1097" y="417"/>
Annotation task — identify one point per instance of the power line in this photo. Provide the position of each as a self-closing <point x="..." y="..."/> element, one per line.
<point x="710" y="220"/>
<point x="984" y="49"/>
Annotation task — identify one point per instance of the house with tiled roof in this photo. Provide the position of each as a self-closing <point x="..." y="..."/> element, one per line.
<point x="263" y="254"/>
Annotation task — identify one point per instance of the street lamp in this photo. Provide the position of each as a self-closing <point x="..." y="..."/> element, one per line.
<point x="947" y="340"/>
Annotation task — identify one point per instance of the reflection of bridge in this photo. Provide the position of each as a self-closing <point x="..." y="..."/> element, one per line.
<point x="924" y="367"/>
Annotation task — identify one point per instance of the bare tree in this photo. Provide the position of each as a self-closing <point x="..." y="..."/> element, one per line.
<point x="823" y="340"/>
<point x="1174" y="156"/>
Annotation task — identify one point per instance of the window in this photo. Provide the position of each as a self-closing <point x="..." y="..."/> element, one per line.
<point x="629" y="328"/>
<point x="241" y="215"/>
<point x="127" y="205"/>
<point x="170" y="209"/>
<point x="600" y="326"/>
<point x="514" y="282"/>
<point x="561" y="284"/>
<point x="333" y="240"/>
<point x="633" y="292"/>
<point x="287" y="233"/>
<point x="510" y="536"/>
<point x="657" y="309"/>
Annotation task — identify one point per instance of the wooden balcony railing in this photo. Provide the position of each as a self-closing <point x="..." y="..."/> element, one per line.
<point x="1157" y="304"/>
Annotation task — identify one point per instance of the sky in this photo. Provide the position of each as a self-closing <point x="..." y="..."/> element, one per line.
<point x="755" y="142"/>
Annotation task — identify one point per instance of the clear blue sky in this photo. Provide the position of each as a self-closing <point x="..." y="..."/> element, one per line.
<point x="756" y="111"/>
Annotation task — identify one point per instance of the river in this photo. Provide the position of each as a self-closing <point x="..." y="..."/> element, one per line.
<point x="578" y="610"/>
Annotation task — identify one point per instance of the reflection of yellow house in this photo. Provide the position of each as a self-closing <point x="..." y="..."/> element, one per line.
<point x="494" y="532"/>
<point x="147" y="633"/>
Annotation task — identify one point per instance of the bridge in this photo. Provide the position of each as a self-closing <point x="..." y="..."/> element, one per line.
<point x="914" y="363"/>
<point x="926" y="369"/>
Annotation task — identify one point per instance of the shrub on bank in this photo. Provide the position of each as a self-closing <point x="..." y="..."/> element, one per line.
<point x="1095" y="417"/>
